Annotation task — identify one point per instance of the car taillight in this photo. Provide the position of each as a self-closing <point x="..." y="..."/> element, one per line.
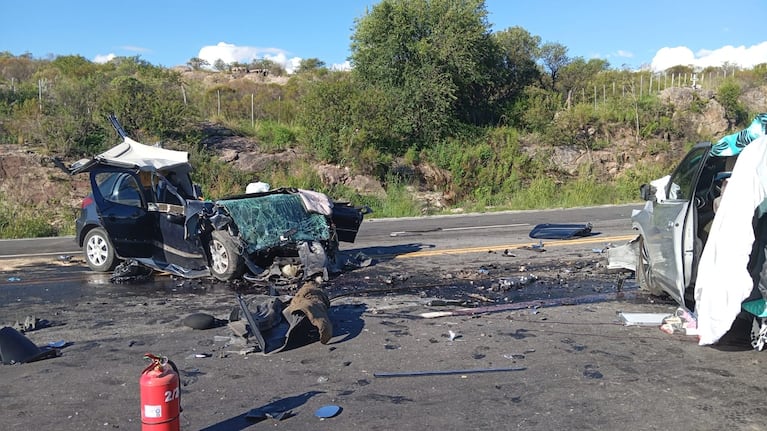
<point x="87" y="201"/>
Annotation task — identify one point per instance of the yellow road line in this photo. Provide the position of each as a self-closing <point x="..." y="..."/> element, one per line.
<point x="485" y="249"/>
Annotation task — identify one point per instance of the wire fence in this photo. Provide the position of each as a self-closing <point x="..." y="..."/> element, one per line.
<point x="646" y="84"/>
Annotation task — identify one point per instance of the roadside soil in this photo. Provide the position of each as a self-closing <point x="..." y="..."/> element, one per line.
<point x="568" y="363"/>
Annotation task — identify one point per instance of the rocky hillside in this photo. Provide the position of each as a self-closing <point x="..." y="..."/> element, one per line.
<point x="30" y="178"/>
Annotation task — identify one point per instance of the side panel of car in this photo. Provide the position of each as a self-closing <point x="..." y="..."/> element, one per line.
<point x="123" y="212"/>
<point x="174" y="245"/>
<point x="669" y="228"/>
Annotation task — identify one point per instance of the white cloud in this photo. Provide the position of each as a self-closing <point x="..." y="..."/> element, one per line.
<point x="133" y="48"/>
<point x="745" y="57"/>
<point x="101" y="58"/>
<point x="345" y="66"/>
<point x="230" y="53"/>
<point x="625" y="54"/>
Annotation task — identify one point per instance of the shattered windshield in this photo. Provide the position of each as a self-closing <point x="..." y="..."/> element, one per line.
<point x="268" y="220"/>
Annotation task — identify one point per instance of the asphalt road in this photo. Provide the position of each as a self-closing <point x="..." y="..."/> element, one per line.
<point x="449" y="231"/>
<point x="535" y="358"/>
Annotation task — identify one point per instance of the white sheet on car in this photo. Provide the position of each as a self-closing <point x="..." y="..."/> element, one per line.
<point x="145" y="157"/>
<point x="723" y="280"/>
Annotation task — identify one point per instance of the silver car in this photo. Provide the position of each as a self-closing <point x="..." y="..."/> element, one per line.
<point x="674" y="224"/>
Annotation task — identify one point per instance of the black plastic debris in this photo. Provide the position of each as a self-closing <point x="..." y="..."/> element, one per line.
<point x="130" y="271"/>
<point x="561" y="231"/>
<point x="202" y="321"/>
<point x="15" y="348"/>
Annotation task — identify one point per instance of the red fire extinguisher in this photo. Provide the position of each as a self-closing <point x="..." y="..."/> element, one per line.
<point x="160" y="395"/>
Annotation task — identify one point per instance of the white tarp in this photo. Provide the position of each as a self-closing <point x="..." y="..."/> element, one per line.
<point x="723" y="280"/>
<point x="145" y="157"/>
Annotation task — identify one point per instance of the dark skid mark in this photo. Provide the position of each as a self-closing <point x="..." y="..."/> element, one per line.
<point x="394" y="399"/>
<point x="519" y="334"/>
<point x="715" y="371"/>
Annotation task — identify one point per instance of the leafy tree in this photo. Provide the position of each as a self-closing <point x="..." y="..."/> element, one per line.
<point x="266" y="64"/>
<point x="680" y="70"/>
<point x="74" y="66"/>
<point x="342" y="116"/>
<point x="435" y="57"/>
<point x="728" y="95"/>
<point x="554" y="58"/>
<point x="518" y="52"/>
<point x="310" y="64"/>
<point x="197" y="63"/>
<point x="579" y="74"/>
<point x="219" y="65"/>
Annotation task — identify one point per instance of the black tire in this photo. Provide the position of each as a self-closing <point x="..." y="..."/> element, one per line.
<point x="226" y="263"/>
<point x="644" y="271"/>
<point x="98" y="250"/>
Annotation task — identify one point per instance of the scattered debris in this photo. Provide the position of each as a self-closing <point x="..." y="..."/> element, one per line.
<point x="326" y="412"/>
<point x="202" y="321"/>
<point x="30" y="323"/>
<point x="414" y="232"/>
<point x="535" y="247"/>
<point x="130" y="271"/>
<point x="642" y="319"/>
<point x="585" y="299"/>
<point x="561" y="231"/>
<point x="15" y="348"/>
<point x="275" y="327"/>
<point x="445" y="372"/>
<point x="681" y="322"/>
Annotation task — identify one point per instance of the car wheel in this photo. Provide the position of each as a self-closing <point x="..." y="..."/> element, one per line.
<point x="98" y="250"/>
<point x="644" y="270"/>
<point x="225" y="260"/>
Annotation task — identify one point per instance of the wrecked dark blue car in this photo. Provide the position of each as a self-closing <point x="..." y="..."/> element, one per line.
<point x="145" y="208"/>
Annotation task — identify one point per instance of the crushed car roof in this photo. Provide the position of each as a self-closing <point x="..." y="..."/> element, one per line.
<point x="143" y="156"/>
<point x="135" y="155"/>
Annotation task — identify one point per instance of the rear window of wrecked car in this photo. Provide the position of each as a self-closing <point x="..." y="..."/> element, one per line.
<point x="120" y="188"/>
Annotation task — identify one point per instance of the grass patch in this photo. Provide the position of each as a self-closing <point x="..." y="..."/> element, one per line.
<point x="26" y="222"/>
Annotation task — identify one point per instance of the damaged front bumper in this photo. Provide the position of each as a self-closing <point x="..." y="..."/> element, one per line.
<point x="625" y="256"/>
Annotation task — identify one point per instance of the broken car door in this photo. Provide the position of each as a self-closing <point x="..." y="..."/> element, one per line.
<point x="671" y="241"/>
<point x="122" y="207"/>
<point x="179" y="247"/>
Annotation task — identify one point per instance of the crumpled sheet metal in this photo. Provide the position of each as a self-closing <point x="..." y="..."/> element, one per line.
<point x="624" y="256"/>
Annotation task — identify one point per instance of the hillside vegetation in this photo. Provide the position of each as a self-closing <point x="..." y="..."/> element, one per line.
<point x="436" y="114"/>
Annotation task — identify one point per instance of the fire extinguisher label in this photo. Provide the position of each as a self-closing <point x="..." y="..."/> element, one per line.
<point x="152" y="411"/>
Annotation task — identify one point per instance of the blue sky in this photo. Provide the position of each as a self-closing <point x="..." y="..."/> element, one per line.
<point x="660" y="33"/>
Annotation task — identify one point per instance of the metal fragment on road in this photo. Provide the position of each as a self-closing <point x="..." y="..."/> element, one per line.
<point x="446" y="372"/>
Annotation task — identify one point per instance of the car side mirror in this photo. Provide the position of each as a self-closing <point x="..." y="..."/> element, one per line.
<point x="647" y="192"/>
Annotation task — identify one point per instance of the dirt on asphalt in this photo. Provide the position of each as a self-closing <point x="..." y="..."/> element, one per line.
<point x="555" y="362"/>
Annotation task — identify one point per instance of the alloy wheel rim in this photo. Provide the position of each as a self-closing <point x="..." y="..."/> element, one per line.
<point x="97" y="250"/>
<point x="220" y="257"/>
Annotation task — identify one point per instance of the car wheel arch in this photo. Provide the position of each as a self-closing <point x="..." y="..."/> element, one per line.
<point x="644" y="267"/>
